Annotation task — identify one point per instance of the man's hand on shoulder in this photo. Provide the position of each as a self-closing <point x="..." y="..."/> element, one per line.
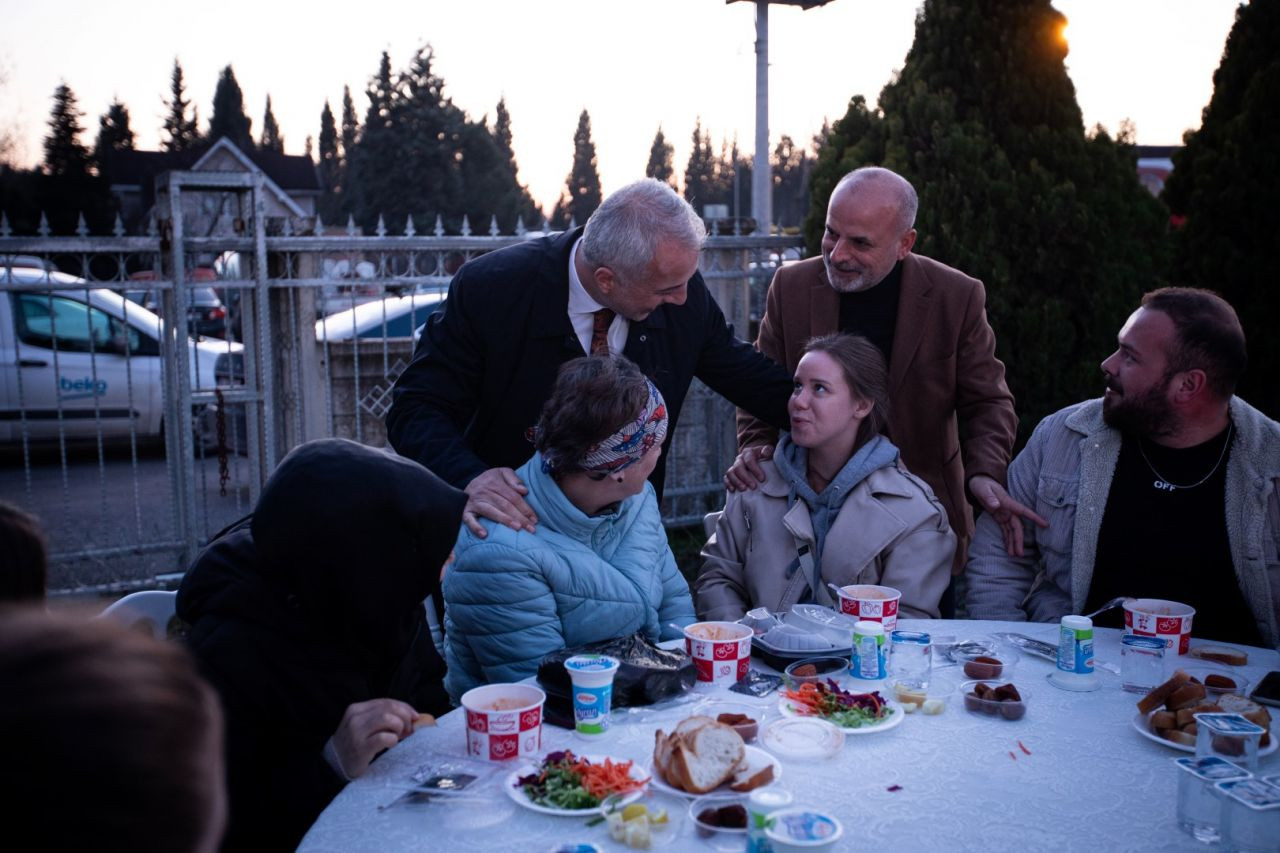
<point x="745" y="473"/>
<point x="498" y="495"/>
<point x="1007" y="512"/>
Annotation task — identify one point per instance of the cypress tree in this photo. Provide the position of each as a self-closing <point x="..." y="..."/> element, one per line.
<point x="790" y="166"/>
<point x="512" y="200"/>
<point x="983" y="121"/>
<point x="582" y="193"/>
<point x="660" y="165"/>
<point x="114" y="134"/>
<point x="1223" y="192"/>
<point x="700" y="171"/>
<point x="180" y="132"/>
<point x="229" y="118"/>
<point x="330" y="178"/>
<point x="64" y="154"/>
<point x="271" y="139"/>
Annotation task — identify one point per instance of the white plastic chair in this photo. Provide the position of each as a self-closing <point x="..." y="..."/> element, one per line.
<point x="151" y="609"/>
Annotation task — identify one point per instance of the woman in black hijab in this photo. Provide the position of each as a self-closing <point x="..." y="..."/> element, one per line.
<point x="307" y="618"/>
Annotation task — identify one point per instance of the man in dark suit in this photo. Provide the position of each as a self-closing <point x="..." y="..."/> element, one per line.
<point x="627" y="282"/>
<point x="951" y="413"/>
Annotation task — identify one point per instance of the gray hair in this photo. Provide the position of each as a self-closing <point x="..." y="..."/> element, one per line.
<point x="877" y="176"/>
<point x="624" y="232"/>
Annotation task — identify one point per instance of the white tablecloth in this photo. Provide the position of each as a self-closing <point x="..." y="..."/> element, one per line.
<point x="1090" y="781"/>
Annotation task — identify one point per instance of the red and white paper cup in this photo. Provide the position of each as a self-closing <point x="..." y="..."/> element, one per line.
<point x="504" y="721"/>
<point x="721" y="651"/>
<point x="1166" y="620"/>
<point x="871" y="603"/>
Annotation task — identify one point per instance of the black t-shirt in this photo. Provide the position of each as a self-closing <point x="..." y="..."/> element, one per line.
<point x="1171" y="543"/>
<point x="873" y="313"/>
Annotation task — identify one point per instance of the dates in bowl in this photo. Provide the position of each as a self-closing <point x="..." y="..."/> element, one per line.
<point x="1000" y="699"/>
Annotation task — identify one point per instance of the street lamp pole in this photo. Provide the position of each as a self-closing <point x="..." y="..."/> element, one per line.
<point x="761" y="173"/>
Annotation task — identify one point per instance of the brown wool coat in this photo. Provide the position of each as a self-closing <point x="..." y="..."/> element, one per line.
<point x="951" y="413"/>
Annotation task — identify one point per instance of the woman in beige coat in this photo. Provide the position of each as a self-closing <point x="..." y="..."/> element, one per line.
<point x="836" y="507"/>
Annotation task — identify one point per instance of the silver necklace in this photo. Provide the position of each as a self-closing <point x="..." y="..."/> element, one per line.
<point x="1162" y="484"/>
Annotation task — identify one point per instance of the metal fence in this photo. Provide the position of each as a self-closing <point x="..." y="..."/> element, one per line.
<point x="90" y="383"/>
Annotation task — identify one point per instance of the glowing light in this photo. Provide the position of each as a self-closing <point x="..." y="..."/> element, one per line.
<point x="1062" y="32"/>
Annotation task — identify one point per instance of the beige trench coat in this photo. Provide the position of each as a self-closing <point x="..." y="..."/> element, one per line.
<point x="891" y="530"/>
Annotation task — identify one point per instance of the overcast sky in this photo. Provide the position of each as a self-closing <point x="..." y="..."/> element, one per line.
<point x="633" y="65"/>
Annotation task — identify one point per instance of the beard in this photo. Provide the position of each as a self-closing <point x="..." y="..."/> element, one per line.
<point x="1147" y="413"/>
<point x="846" y="282"/>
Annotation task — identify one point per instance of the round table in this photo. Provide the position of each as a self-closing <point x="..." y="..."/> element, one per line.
<point x="1073" y="774"/>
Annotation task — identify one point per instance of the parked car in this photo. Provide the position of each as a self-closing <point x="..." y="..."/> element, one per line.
<point x="393" y="317"/>
<point x="80" y="360"/>
<point x="206" y="314"/>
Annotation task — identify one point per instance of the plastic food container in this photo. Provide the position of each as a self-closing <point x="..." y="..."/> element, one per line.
<point x="826" y="667"/>
<point x="1157" y="617"/>
<point x="802" y="738"/>
<point x="929" y="702"/>
<point x="999" y="708"/>
<point x="998" y="664"/>
<point x="703" y="813"/>
<point x="836" y="627"/>
<point x="802" y="829"/>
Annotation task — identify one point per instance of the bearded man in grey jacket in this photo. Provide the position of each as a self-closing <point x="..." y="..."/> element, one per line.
<point x="1166" y="487"/>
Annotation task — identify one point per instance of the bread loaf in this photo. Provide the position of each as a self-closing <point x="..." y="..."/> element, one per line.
<point x="702" y="754"/>
<point x="1157" y="697"/>
<point x="1221" y="654"/>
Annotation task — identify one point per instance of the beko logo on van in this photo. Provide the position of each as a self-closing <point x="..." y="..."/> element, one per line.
<point x="76" y="389"/>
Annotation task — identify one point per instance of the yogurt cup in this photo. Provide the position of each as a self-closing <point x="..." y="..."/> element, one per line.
<point x="592" y="679"/>
<point x="802" y="829"/>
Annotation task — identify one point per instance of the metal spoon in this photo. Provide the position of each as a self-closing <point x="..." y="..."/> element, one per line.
<point x="1110" y="605"/>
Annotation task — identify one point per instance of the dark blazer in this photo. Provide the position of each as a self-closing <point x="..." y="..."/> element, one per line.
<point x="487" y="361"/>
<point x="950" y="411"/>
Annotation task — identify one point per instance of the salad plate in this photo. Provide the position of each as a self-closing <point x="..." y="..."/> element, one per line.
<point x="517" y="792"/>
<point x="893" y="715"/>
<point x="754" y="756"/>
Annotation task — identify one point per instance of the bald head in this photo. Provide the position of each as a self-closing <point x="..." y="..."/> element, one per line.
<point x="886" y="184"/>
<point x="869" y="228"/>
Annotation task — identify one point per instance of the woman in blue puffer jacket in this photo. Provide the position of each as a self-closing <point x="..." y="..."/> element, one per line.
<point x="598" y="566"/>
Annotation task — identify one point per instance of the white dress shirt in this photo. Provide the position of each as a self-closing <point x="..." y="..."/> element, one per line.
<point x="582" y="309"/>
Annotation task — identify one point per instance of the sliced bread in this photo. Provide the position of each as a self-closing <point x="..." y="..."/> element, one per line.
<point x="708" y="757"/>
<point x="1157" y="697"/>
<point x="1221" y="654"/>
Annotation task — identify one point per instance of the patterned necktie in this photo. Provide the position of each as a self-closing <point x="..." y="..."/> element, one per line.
<point x="600" y="323"/>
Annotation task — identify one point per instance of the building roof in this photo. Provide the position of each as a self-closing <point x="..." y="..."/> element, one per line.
<point x="1155" y="152"/>
<point x="293" y="173"/>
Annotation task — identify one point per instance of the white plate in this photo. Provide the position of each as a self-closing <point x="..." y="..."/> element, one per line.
<point x="1142" y="723"/>
<point x="895" y="717"/>
<point x="755" y="756"/>
<point x="517" y="793"/>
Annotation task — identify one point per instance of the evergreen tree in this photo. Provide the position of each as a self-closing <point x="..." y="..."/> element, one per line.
<point x="427" y="131"/>
<point x="229" y="118"/>
<point x="582" y="188"/>
<point x="790" y="167"/>
<point x="114" y="134"/>
<point x="64" y="153"/>
<point x="271" y="139"/>
<point x="180" y="132"/>
<point x="330" y="177"/>
<point x="349" y="139"/>
<point x="511" y="200"/>
<point x="660" y="165"/>
<point x="700" y="171"/>
<point x="1012" y="190"/>
<point x="1223" y="192"/>
<point x="502" y="134"/>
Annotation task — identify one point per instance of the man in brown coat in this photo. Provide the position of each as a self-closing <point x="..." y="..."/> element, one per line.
<point x="951" y="413"/>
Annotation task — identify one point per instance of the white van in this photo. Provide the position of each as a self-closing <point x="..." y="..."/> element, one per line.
<point x="83" y="360"/>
